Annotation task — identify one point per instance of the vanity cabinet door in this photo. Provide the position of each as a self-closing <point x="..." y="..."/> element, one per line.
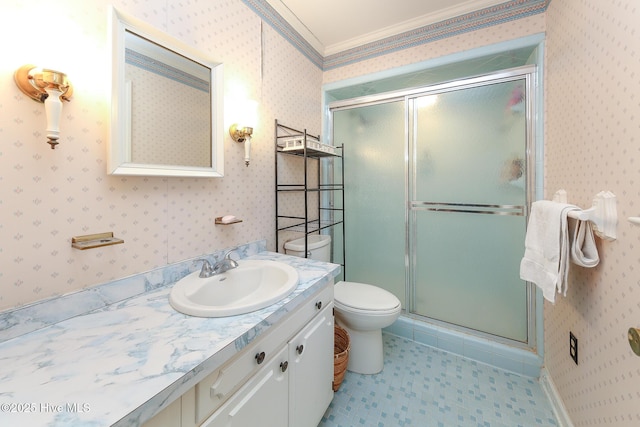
<point x="168" y="417"/>
<point x="311" y="362"/>
<point x="262" y="400"/>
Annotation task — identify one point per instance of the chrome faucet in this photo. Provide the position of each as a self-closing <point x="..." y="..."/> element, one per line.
<point x="219" y="267"/>
<point x="207" y="269"/>
<point x="226" y="264"/>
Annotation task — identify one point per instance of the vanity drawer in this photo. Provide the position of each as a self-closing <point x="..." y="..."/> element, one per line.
<point x="309" y="310"/>
<point x="216" y="388"/>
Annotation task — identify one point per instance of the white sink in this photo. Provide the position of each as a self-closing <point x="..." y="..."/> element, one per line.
<point x="253" y="285"/>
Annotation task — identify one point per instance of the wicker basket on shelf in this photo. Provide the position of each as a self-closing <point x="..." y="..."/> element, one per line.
<point x="341" y="347"/>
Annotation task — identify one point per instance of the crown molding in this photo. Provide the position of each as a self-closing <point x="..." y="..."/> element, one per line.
<point x="412" y="24"/>
<point x="469" y="16"/>
<point x="297" y="25"/>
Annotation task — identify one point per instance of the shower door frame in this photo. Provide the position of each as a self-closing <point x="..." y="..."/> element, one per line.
<point x="528" y="73"/>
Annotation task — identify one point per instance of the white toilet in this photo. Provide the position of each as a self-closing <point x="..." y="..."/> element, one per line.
<point x="318" y="245"/>
<point x="363" y="310"/>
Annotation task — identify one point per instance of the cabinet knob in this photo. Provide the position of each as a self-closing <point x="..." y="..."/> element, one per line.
<point x="260" y="357"/>
<point x="300" y="349"/>
<point x="284" y="365"/>
<point x="319" y="305"/>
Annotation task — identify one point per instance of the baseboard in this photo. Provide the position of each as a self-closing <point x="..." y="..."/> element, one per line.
<point x="519" y="361"/>
<point x="559" y="410"/>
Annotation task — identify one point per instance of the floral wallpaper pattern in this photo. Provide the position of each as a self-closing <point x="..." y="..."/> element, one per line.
<point x="592" y="144"/>
<point x="48" y="196"/>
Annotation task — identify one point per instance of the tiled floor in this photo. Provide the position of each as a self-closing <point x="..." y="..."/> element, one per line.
<point x="422" y="386"/>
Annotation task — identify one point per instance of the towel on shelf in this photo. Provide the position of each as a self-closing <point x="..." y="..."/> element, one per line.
<point x="583" y="245"/>
<point x="546" y="255"/>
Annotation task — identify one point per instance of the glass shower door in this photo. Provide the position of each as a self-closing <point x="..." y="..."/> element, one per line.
<point x="375" y="197"/>
<point x="468" y="198"/>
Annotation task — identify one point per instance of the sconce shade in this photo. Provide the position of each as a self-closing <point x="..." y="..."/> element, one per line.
<point x="50" y="87"/>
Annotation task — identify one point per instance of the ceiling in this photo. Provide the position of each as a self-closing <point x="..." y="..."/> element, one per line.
<point x="333" y="26"/>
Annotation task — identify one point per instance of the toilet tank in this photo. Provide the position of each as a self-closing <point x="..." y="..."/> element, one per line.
<point x="319" y="246"/>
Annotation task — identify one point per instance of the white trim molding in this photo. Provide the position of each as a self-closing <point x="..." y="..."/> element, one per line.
<point x="387" y="39"/>
<point x="549" y="388"/>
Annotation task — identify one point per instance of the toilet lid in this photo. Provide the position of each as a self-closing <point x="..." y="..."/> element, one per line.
<point x="364" y="297"/>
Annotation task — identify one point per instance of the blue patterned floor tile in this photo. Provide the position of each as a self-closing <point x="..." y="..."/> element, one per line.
<point x="421" y="386"/>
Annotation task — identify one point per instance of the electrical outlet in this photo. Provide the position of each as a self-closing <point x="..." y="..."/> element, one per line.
<point x="573" y="347"/>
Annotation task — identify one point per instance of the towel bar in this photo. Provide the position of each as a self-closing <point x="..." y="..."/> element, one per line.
<point x="603" y="214"/>
<point x="584" y="215"/>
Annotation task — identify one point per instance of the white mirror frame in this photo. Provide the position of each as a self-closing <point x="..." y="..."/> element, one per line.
<point x="119" y="150"/>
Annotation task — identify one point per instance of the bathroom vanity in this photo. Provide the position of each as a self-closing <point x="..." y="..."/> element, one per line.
<point x="284" y="376"/>
<point x="136" y="361"/>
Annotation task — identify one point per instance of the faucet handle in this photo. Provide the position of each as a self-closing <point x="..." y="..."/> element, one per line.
<point x="207" y="269"/>
<point x="227" y="256"/>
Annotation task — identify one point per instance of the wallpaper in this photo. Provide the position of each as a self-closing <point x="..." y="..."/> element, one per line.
<point x="48" y="196"/>
<point x="592" y="144"/>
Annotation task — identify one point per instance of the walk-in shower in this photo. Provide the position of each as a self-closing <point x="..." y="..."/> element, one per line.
<point x="438" y="179"/>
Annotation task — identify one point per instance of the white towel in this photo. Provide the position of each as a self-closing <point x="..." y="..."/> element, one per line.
<point x="583" y="246"/>
<point x="546" y="255"/>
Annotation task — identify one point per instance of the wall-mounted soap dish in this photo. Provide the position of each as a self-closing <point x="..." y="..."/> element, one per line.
<point x="91" y="241"/>
<point x="227" y="220"/>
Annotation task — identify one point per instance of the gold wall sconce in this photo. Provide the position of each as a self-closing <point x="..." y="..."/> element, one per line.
<point x="242" y="132"/>
<point x="242" y="135"/>
<point x="50" y="87"/>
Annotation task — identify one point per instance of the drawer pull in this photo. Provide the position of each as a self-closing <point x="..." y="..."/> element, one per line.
<point x="300" y="349"/>
<point x="260" y="357"/>
<point x="284" y="365"/>
<point x="319" y="305"/>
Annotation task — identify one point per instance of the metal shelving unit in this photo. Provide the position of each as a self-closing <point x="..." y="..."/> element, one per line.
<point x="327" y="211"/>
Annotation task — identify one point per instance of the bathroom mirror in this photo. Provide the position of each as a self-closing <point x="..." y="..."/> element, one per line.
<point x="167" y="100"/>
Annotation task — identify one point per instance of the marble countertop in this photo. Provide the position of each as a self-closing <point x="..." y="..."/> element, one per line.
<point x="119" y="365"/>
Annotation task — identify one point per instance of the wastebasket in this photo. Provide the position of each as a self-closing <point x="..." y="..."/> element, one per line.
<point x="341" y="347"/>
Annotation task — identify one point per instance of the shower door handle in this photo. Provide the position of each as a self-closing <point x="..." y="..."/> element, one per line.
<point x="517" y="210"/>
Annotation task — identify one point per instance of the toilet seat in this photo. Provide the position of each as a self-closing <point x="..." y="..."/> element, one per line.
<point x="366" y="299"/>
